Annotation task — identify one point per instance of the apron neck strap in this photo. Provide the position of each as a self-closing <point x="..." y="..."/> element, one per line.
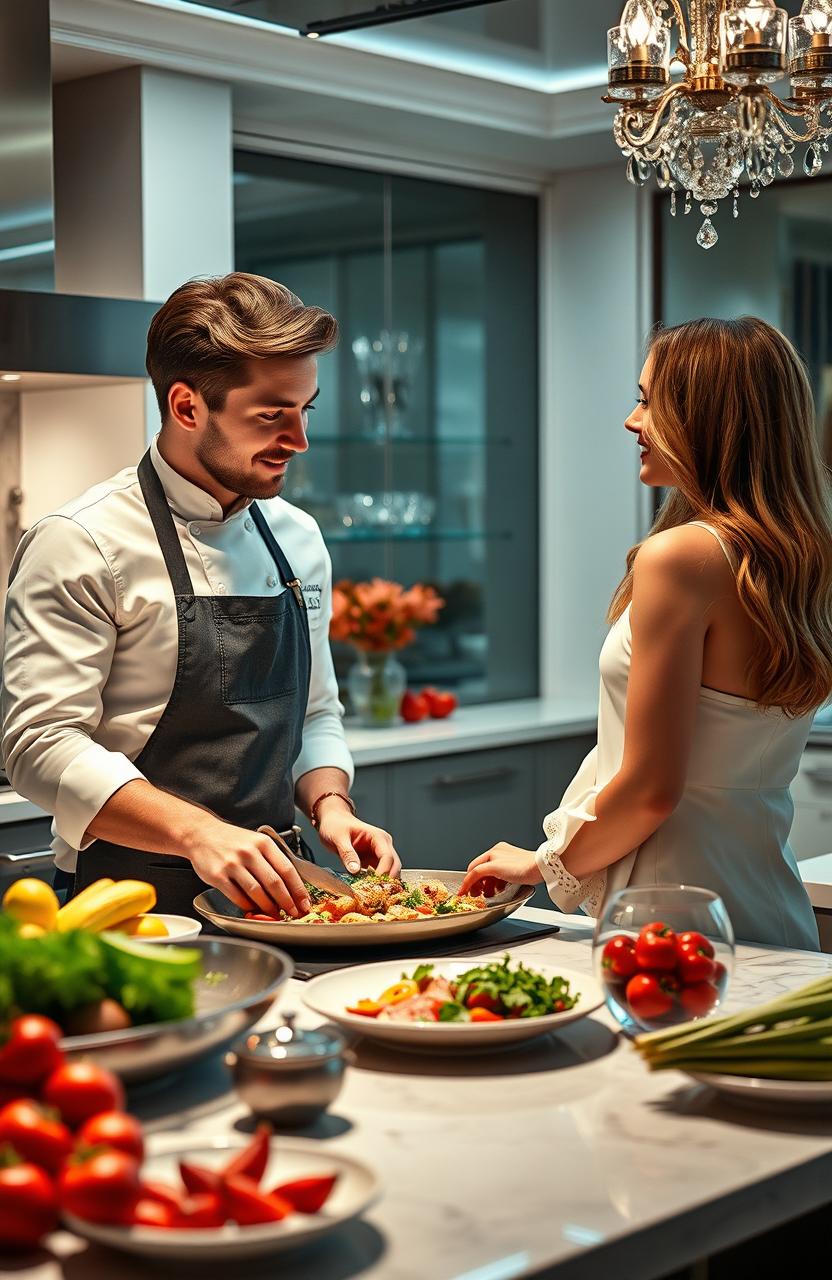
<point x="157" y="505"/>
<point x="287" y="577"/>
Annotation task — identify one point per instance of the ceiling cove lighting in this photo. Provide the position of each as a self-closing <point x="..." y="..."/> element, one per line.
<point x="721" y="121"/>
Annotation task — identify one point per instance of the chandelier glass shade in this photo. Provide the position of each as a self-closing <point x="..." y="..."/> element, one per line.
<point x="702" y="133"/>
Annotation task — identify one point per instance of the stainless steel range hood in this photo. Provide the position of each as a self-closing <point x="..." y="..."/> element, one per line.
<point x="40" y="330"/>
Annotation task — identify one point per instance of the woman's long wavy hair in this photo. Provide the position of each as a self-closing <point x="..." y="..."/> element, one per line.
<point x="732" y="414"/>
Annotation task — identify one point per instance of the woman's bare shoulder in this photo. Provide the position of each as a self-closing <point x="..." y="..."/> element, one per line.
<point x="687" y="556"/>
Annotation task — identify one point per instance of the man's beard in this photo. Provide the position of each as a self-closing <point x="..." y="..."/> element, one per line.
<point x="212" y="453"/>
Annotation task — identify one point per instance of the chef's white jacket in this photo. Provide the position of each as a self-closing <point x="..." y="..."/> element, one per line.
<point x="90" y="642"/>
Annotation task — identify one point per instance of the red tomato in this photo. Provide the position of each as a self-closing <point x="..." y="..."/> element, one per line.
<point x="618" y="959"/>
<point x="248" y="1205"/>
<point x="414" y="707"/>
<point x="164" y="1194"/>
<point x="656" y="948"/>
<point x="102" y="1188"/>
<point x="113" y="1129"/>
<point x="204" y="1210"/>
<point x="28" y="1205"/>
<point x="720" y="972"/>
<point x="31" y="1051"/>
<point x="699" y="998"/>
<point x="488" y="886"/>
<point x="80" y="1090"/>
<point x="252" y="1160"/>
<point x="440" y="703"/>
<point x="482" y="1000"/>
<point x="655" y="926"/>
<point x="199" y="1180"/>
<point x="698" y="940"/>
<point x="36" y="1134"/>
<point x="694" y="965"/>
<point x="307" y="1195"/>
<point x="647" y="996"/>
<point x="147" y="1212"/>
<point x="480" y="1014"/>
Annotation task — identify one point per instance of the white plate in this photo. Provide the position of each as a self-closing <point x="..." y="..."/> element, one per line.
<point x="356" y="1189"/>
<point x="330" y="994"/>
<point x="178" y="927"/>
<point x="755" y="1092"/>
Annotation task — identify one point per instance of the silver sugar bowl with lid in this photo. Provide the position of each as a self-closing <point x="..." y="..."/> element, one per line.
<point x="290" y="1074"/>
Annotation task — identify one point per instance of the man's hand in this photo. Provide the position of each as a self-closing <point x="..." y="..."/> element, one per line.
<point x="504" y="862"/>
<point x="248" y="868"/>
<point x="357" y="843"/>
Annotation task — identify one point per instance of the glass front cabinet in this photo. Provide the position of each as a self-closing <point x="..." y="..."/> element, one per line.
<point x="422" y="462"/>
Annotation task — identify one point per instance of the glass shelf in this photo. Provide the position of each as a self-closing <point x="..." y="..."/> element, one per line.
<point x="412" y="535"/>
<point x="380" y="442"/>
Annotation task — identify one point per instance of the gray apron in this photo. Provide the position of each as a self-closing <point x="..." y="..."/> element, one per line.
<point x="232" y="729"/>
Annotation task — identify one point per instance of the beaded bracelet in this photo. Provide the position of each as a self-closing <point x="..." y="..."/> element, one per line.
<point x="313" y="812"/>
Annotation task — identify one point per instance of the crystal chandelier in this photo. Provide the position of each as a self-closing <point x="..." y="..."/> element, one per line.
<point x="700" y="134"/>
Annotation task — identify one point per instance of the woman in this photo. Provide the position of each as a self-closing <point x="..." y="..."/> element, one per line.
<point x="720" y="648"/>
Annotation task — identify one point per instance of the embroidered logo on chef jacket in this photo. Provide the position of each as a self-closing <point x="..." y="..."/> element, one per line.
<point x="312" y="597"/>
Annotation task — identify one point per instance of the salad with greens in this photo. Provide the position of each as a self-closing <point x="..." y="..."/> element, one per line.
<point x="79" y="976"/>
<point x="492" y="992"/>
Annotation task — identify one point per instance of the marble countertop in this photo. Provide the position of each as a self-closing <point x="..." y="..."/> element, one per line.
<point x="565" y="1159"/>
<point x="495" y="724"/>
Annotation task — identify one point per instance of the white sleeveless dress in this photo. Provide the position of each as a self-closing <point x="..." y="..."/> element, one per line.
<point x="729" y="832"/>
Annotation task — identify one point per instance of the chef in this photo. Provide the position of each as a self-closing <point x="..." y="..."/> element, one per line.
<point x="168" y="685"/>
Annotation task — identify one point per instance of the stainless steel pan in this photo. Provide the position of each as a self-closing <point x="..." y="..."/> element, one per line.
<point x="214" y="906"/>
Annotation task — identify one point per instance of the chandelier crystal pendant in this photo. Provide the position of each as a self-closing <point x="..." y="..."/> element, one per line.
<point x="700" y="134"/>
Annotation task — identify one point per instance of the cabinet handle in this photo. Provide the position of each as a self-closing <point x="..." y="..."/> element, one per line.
<point x="819" y="775"/>
<point x="39" y="856"/>
<point x="470" y="779"/>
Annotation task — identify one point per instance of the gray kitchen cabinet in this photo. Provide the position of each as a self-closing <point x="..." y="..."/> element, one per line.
<point x="443" y="810"/>
<point x="557" y="763"/>
<point x="449" y="808"/>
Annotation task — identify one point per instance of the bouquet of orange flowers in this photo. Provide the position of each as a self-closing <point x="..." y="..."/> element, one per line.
<point x="380" y="616"/>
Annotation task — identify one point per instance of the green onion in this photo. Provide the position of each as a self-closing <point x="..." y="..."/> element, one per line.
<point x="789" y="1038"/>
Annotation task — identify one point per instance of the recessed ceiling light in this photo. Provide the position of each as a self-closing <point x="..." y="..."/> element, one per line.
<point x="9" y="377"/>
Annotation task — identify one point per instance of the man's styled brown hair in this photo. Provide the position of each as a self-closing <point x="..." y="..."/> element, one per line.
<point x="209" y="329"/>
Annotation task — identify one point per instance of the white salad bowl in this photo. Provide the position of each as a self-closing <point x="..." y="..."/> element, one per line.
<point x="331" y="994"/>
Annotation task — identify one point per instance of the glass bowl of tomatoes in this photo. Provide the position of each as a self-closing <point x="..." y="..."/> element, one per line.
<point x="663" y="955"/>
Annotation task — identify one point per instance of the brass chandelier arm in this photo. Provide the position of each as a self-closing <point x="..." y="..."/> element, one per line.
<point x="780" y="107"/>
<point x="658" y="110"/>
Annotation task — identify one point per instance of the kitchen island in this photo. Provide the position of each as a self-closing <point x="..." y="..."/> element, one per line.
<point x="562" y="1159"/>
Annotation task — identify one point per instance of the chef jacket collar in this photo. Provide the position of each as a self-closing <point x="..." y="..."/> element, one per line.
<point x="187" y="499"/>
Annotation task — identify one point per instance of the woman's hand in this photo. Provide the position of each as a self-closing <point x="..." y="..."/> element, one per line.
<point x="501" y="865"/>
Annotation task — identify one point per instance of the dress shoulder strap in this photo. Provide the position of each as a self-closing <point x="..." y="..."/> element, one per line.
<point x="729" y="556"/>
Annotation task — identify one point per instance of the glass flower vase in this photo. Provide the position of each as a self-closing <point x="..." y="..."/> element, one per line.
<point x="375" y="684"/>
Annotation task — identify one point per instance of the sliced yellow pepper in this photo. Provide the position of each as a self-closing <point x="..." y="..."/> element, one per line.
<point x="404" y="990"/>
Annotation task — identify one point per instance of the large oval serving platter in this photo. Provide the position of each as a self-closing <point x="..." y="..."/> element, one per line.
<point x="214" y="906"/>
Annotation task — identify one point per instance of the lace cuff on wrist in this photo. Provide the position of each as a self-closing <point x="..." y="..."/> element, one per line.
<point x="566" y="890"/>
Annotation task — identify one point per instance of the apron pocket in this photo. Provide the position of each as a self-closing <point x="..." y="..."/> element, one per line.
<point x="253" y="655"/>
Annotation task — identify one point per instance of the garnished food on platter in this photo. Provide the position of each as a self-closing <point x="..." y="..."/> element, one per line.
<point x="380" y="899"/>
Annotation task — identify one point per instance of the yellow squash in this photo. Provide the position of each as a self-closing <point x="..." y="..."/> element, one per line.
<point x="108" y="906"/>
